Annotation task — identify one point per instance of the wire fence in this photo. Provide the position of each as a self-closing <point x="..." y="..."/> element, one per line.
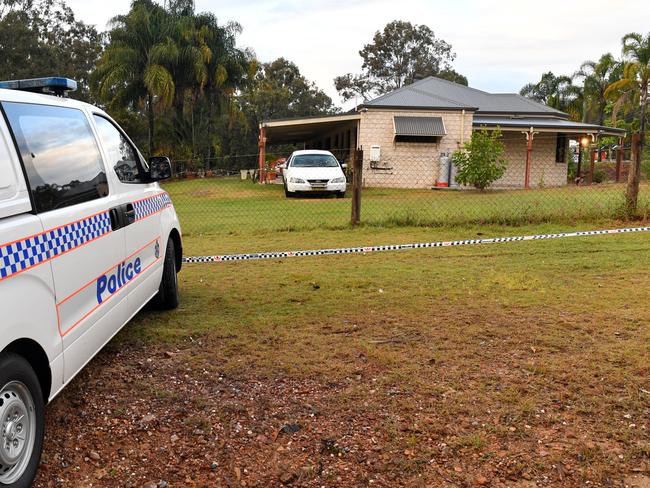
<point x="231" y="196"/>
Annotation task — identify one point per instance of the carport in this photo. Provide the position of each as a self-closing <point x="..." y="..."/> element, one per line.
<point x="336" y="133"/>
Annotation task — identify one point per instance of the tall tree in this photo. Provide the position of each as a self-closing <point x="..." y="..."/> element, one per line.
<point x="208" y="74"/>
<point x="558" y="92"/>
<point x="596" y="77"/>
<point x="281" y="91"/>
<point x="176" y="66"/>
<point x="134" y="69"/>
<point x="635" y="87"/>
<point x="397" y="56"/>
<point x="44" y="38"/>
<point x="278" y="90"/>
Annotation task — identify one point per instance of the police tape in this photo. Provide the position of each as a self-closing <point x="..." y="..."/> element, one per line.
<point x="399" y="247"/>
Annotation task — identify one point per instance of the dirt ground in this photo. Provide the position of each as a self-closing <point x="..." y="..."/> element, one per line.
<point x="142" y="417"/>
<point x="473" y="369"/>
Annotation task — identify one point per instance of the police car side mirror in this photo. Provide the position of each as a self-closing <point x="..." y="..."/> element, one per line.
<point x="344" y="166"/>
<point x="160" y="168"/>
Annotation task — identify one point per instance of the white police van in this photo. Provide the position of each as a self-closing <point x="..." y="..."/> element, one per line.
<point x="87" y="238"/>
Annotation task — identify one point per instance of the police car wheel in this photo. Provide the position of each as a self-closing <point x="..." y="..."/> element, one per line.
<point x="167" y="297"/>
<point x="22" y="422"/>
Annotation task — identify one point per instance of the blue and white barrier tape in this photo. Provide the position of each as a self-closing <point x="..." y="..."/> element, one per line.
<point x="399" y="247"/>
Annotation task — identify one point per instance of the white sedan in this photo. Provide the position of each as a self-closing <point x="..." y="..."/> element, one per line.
<point x="313" y="171"/>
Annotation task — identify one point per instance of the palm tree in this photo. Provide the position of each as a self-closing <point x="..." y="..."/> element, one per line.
<point x="558" y="92"/>
<point x="135" y="67"/>
<point x="596" y="77"/>
<point x="634" y="87"/>
<point x="208" y="73"/>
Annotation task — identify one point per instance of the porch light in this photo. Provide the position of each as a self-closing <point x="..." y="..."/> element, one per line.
<point x="584" y="141"/>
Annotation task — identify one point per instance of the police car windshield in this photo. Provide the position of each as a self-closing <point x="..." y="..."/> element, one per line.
<point x="314" y="161"/>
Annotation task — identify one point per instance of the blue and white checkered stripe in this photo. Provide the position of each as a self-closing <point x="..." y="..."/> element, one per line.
<point x="399" y="247"/>
<point x="149" y="206"/>
<point x="32" y="251"/>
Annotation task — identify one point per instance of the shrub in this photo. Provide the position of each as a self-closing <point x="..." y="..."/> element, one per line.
<point x="599" y="176"/>
<point x="481" y="161"/>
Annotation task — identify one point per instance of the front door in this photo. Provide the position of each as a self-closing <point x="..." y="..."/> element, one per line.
<point x="82" y="226"/>
<point x="144" y="242"/>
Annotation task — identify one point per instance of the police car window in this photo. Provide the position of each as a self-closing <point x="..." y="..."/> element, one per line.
<point x="122" y="157"/>
<point x="60" y="153"/>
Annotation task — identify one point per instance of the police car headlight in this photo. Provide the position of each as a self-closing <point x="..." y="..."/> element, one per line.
<point x="338" y="180"/>
<point x="296" y="180"/>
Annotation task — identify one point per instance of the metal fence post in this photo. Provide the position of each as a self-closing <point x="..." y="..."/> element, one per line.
<point x="262" y="154"/>
<point x="619" y="158"/>
<point x="357" y="182"/>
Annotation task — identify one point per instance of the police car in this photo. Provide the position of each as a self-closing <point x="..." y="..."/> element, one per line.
<point x="87" y="238"/>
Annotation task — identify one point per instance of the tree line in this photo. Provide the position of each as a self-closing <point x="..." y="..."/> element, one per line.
<point x="173" y="77"/>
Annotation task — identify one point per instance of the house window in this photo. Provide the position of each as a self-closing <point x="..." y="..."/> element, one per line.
<point x="560" y="148"/>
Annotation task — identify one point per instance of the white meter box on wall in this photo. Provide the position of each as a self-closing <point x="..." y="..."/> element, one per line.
<point x="375" y="154"/>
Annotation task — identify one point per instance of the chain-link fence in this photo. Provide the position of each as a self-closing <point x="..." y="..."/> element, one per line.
<point x="225" y="196"/>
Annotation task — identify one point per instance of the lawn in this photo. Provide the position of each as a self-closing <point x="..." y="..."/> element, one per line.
<point x="240" y="212"/>
<point x="520" y="365"/>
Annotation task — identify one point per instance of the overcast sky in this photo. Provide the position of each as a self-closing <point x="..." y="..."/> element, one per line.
<point x="500" y="46"/>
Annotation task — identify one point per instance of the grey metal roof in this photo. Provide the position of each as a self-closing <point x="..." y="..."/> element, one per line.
<point x="411" y="96"/>
<point x="437" y="93"/>
<point x="419" y="126"/>
<point x="543" y="123"/>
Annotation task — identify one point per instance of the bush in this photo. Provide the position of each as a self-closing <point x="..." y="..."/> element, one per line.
<point x="599" y="176"/>
<point x="481" y="162"/>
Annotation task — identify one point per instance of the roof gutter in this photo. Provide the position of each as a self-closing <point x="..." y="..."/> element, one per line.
<point x="607" y="131"/>
<point x="309" y="120"/>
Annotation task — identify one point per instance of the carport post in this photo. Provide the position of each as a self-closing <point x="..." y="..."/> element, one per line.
<point x="357" y="181"/>
<point x="262" y="156"/>
<point x="530" y="135"/>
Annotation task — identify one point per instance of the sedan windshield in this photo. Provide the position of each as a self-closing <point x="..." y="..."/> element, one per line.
<point x="314" y="161"/>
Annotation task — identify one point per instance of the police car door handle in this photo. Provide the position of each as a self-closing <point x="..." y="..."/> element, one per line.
<point x="117" y="218"/>
<point x="129" y="214"/>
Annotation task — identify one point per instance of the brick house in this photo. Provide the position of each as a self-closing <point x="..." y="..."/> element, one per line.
<point x="408" y="135"/>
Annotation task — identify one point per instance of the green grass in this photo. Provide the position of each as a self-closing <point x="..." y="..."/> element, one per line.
<point x="239" y="216"/>
<point x="500" y="345"/>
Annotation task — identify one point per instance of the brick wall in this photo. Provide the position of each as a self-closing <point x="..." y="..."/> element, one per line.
<point x="407" y="165"/>
<point x="544" y="171"/>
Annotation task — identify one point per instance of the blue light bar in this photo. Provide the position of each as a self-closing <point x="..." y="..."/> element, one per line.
<point x="53" y="84"/>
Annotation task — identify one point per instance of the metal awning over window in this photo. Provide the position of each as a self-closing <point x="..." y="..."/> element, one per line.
<point x="419" y="126"/>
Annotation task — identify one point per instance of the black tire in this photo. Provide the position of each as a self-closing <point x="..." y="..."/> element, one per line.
<point x="340" y="194"/>
<point x="289" y="194"/>
<point x="168" y="296"/>
<point x="15" y="370"/>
